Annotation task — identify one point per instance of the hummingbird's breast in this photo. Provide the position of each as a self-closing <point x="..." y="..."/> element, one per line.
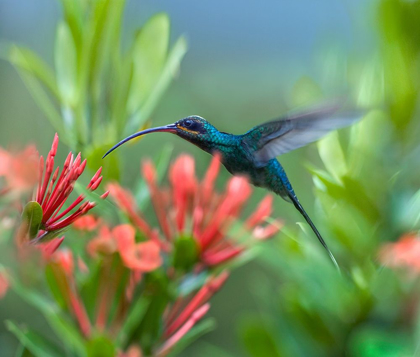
<point x="238" y="161"/>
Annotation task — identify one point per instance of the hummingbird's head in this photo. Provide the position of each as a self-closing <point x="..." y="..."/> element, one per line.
<point x="193" y="128"/>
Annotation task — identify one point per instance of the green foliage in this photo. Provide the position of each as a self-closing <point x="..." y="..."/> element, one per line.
<point x="365" y="197"/>
<point x="31" y="218"/>
<point x="35" y="343"/>
<point x="376" y="342"/>
<point x="400" y="30"/>
<point x="97" y="93"/>
<point x="258" y="340"/>
<point x="100" y="346"/>
<point x="185" y="253"/>
<point x="366" y="191"/>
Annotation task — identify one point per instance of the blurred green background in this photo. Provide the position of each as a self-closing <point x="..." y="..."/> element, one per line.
<point x="248" y="62"/>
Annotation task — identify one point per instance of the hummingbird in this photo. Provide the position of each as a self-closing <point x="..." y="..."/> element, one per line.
<point x="254" y="153"/>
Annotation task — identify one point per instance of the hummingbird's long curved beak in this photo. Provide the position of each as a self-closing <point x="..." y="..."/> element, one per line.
<point x="171" y="128"/>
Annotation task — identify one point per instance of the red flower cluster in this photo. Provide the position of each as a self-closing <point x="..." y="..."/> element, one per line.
<point x="55" y="188"/>
<point x="50" y="198"/>
<point x="192" y="208"/>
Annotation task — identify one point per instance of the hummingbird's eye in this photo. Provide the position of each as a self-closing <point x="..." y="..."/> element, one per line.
<point x="188" y="123"/>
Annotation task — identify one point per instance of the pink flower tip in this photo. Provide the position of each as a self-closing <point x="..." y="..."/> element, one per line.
<point x="263" y="211"/>
<point x="149" y="171"/>
<point x="262" y="233"/>
<point x="64" y="258"/>
<point x="54" y="145"/>
<point x="4" y="284"/>
<point x="50" y="247"/>
<point x="196" y="316"/>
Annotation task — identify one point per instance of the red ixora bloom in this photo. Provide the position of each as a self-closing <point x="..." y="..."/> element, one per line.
<point x="195" y="209"/>
<point x="54" y="189"/>
<point x="402" y="254"/>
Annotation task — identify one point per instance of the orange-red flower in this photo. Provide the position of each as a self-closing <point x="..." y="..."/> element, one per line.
<point x="54" y="189"/>
<point x="104" y="243"/>
<point x="403" y="254"/>
<point x="143" y="256"/>
<point x="87" y="223"/>
<point x="195" y="209"/>
<point x="18" y="169"/>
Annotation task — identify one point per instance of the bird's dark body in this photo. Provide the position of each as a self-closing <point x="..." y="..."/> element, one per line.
<point x="237" y="157"/>
<point x="254" y="153"/>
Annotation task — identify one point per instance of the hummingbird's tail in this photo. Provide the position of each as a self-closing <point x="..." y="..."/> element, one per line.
<point x="299" y="207"/>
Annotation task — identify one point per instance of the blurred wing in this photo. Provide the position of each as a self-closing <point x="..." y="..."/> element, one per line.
<point x="294" y="131"/>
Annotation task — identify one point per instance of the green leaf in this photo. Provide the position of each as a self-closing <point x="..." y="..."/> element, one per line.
<point x="44" y="102"/>
<point x="185" y="253"/>
<point x="332" y="155"/>
<point x="54" y="282"/>
<point x="67" y="80"/>
<point x="368" y="139"/>
<point x="101" y="346"/>
<point x="26" y="60"/>
<point x="371" y="87"/>
<point x="73" y="15"/>
<point x="148" y="331"/>
<point x="34" y="342"/>
<point x="257" y="339"/>
<point x="20" y="351"/>
<point x="209" y="350"/>
<point x="149" y="55"/>
<point x="32" y="218"/>
<point x="110" y="165"/>
<point x="63" y="328"/>
<point x="131" y="322"/>
<point x="66" y="66"/>
<point x="371" y="342"/>
<point x="194" y="334"/>
<point x="122" y="79"/>
<point x="172" y="64"/>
